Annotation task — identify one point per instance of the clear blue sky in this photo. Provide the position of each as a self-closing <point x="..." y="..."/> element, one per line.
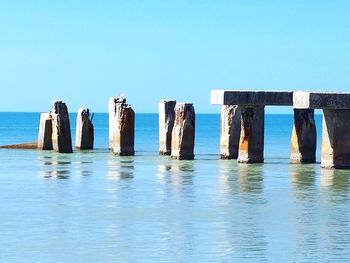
<point x="87" y="51"/>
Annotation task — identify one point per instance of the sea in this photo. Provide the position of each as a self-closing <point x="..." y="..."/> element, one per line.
<point x="92" y="206"/>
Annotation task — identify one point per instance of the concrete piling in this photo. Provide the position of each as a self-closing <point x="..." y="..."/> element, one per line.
<point x="166" y="124"/>
<point x="336" y="139"/>
<point x="45" y="132"/>
<point x="121" y="127"/>
<point x="61" y="133"/>
<point x="84" y="135"/>
<point x="183" y="134"/>
<point x="251" y="144"/>
<point x="303" y="140"/>
<point x="230" y="129"/>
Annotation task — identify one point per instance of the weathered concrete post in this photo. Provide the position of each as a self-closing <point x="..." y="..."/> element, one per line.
<point x="182" y="142"/>
<point x="230" y="129"/>
<point x="61" y="134"/>
<point x="121" y="127"/>
<point x="111" y="116"/>
<point x="45" y="132"/>
<point x="336" y="139"/>
<point x="166" y="124"/>
<point x="251" y="143"/>
<point x="84" y="135"/>
<point x="303" y="140"/>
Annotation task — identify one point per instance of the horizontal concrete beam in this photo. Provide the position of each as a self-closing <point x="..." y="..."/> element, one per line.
<point x="241" y="97"/>
<point x="321" y="100"/>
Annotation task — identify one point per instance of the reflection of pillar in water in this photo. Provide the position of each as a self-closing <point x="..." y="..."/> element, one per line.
<point x="250" y="177"/>
<point x="122" y="168"/>
<point x="337" y="179"/>
<point x="303" y="176"/>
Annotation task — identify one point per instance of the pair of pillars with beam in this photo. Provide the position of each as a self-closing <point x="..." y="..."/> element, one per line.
<point x="242" y="134"/>
<point x="335" y="152"/>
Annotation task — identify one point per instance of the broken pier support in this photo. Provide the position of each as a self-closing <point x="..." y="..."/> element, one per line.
<point x="61" y="133"/>
<point x="335" y="139"/>
<point x="166" y="124"/>
<point x="251" y="143"/>
<point x="84" y="135"/>
<point x="183" y="134"/>
<point x="303" y="139"/>
<point x="45" y="132"/>
<point x="230" y="129"/>
<point x="121" y="127"/>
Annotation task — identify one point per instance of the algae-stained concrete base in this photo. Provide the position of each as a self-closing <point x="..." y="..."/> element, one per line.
<point x="121" y="127"/>
<point x="251" y="144"/>
<point x="166" y="124"/>
<point x="61" y="133"/>
<point x="183" y="135"/>
<point x="303" y="139"/>
<point x="247" y="97"/>
<point x="22" y="146"/>
<point x="335" y="139"/>
<point x="230" y="129"/>
<point x="45" y="132"/>
<point x="84" y="132"/>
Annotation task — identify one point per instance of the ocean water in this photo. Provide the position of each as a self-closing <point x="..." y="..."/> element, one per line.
<point x="91" y="206"/>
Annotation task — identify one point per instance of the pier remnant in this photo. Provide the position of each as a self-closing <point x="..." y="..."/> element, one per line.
<point x="166" y="124"/>
<point x="61" y="133"/>
<point x="183" y="134"/>
<point x="303" y="139"/>
<point x="252" y="104"/>
<point x="45" y="132"/>
<point x="230" y="129"/>
<point x="121" y="127"/>
<point x="251" y="143"/>
<point x="335" y="152"/>
<point x="84" y="135"/>
<point x="335" y="139"/>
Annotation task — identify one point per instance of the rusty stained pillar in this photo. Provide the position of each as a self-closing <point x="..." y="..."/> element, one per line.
<point x="251" y="143"/>
<point x="121" y="127"/>
<point x="84" y="133"/>
<point x="336" y="139"/>
<point x="183" y="135"/>
<point x="45" y="132"/>
<point x="230" y="129"/>
<point x="166" y="124"/>
<point x="303" y="139"/>
<point x="61" y="133"/>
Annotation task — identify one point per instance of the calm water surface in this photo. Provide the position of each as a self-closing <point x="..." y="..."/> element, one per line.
<point x="94" y="207"/>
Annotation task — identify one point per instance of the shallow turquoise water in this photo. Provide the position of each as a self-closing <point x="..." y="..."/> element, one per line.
<point x="94" y="207"/>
